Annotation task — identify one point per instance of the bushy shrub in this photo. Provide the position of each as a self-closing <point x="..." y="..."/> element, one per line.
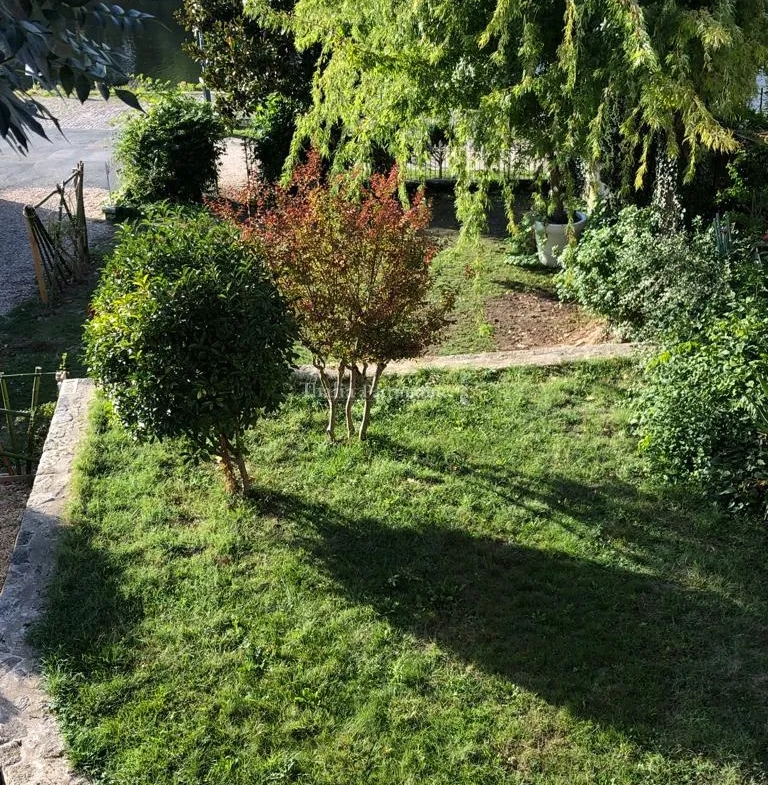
<point x="270" y="131"/>
<point x="703" y="410"/>
<point x="171" y="152"/>
<point x="354" y="264"/>
<point x="189" y="336"/>
<point x="644" y="279"/>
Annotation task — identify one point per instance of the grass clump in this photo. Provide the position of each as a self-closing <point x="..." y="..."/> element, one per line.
<point x="487" y="591"/>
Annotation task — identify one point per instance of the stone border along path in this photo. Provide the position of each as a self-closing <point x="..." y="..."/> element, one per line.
<point x="31" y="747"/>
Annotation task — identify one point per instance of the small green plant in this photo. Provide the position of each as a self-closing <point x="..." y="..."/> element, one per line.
<point x="190" y="338"/>
<point x="270" y="131"/>
<point x="171" y="152"/>
<point x="149" y="90"/>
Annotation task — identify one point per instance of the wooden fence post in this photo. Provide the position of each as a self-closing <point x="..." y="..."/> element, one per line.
<point x="81" y="225"/>
<point x="37" y="257"/>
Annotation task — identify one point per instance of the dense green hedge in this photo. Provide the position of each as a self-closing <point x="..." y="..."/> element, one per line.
<point x="171" y="152"/>
<point x="702" y="409"/>
<point x="647" y="280"/>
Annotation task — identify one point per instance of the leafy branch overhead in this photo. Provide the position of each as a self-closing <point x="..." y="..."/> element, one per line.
<point x="45" y="41"/>
<point x="548" y="79"/>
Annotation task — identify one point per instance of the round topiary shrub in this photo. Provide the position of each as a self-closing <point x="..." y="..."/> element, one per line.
<point x="189" y="336"/>
<point x="171" y="152"/>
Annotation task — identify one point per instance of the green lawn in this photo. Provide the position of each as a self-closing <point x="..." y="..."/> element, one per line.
<point x="36" y="335"/>
<point x="488" y="591"/>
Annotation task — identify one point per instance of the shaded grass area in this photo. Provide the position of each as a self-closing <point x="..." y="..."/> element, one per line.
<point x="489" y="591"/>
<point x="479" y="270"/>
<point x="35" y="335"/>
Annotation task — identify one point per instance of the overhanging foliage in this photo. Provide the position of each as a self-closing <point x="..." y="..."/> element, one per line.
<point x="554" y="77"/>
<point x="45" y="41"/>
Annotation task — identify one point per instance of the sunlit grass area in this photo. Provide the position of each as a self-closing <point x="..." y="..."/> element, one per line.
<point x="487" y="591"/>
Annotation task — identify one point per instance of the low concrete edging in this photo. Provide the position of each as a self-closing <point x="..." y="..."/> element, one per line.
<point x="31" y="747"/>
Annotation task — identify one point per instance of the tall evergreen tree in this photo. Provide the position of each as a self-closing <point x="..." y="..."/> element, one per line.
<point x="556" y="77"/>
<point x="247" y="57"/>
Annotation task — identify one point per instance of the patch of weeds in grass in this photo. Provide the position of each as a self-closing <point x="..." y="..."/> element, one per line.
<point x="36" y="335"/>
<point x="487" y="591"/>
<point x="478" y="270"/>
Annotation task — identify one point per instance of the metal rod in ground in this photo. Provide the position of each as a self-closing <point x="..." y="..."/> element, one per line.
<point x="32" y="422"/>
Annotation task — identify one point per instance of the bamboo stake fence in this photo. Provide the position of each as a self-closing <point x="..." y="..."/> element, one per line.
<point x="59" y="252"/>
<point x="18" y="427"/>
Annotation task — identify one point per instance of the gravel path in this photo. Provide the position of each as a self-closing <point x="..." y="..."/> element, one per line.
<point x="88" y="132"/>
<point x="540" y="356"/>
<point x="88" y="135"/>
<point x="17" y="275"/>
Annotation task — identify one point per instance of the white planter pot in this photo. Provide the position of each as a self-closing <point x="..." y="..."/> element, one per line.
<point x="551" y="239"/>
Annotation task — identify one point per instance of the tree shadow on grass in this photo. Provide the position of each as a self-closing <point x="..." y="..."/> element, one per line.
<point x="678" y="670"/>
<point x="656" y="529"/>
<point x="88" y="610"/>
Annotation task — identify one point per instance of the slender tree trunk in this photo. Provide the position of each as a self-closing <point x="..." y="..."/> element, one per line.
<point x="244" y="477"/>
<point x="331" y="395"/>
<point x="226" y="465"/>
<point x="340" y="373"/>
<point x="353" y="375"/>
<point x="370" y="395"/>
<point x="330" y="428"/>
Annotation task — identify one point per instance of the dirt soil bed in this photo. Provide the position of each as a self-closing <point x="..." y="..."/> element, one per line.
<point x="13" y="500"/>
<point x="527" y="320"/>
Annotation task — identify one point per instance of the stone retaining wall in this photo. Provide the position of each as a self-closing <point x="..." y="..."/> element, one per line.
<point x="31" y="748"/>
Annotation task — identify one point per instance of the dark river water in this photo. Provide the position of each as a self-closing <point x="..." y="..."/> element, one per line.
<point x="155" y="49"/>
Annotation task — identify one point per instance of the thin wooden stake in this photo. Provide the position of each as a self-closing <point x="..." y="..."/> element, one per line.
<point x="37" y="258"/>
<point x="10" y="425"/>
<point x="81" y="225"/>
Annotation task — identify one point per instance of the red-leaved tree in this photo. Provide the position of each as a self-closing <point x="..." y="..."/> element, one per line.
<point x="354" y="266"/>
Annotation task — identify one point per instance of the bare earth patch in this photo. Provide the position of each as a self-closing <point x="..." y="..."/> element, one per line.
<point x="13" y="500"/>
<point x="526" y="320"/>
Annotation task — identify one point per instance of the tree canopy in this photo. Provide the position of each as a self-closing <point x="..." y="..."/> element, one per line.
<point x="555" y="77"/>
<point x="45" y="41"/>
<point x="245" y="59"/>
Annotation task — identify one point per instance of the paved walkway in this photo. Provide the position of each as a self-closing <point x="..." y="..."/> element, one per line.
<point x="543" y="356"/>
<point x="88" y="135"/>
